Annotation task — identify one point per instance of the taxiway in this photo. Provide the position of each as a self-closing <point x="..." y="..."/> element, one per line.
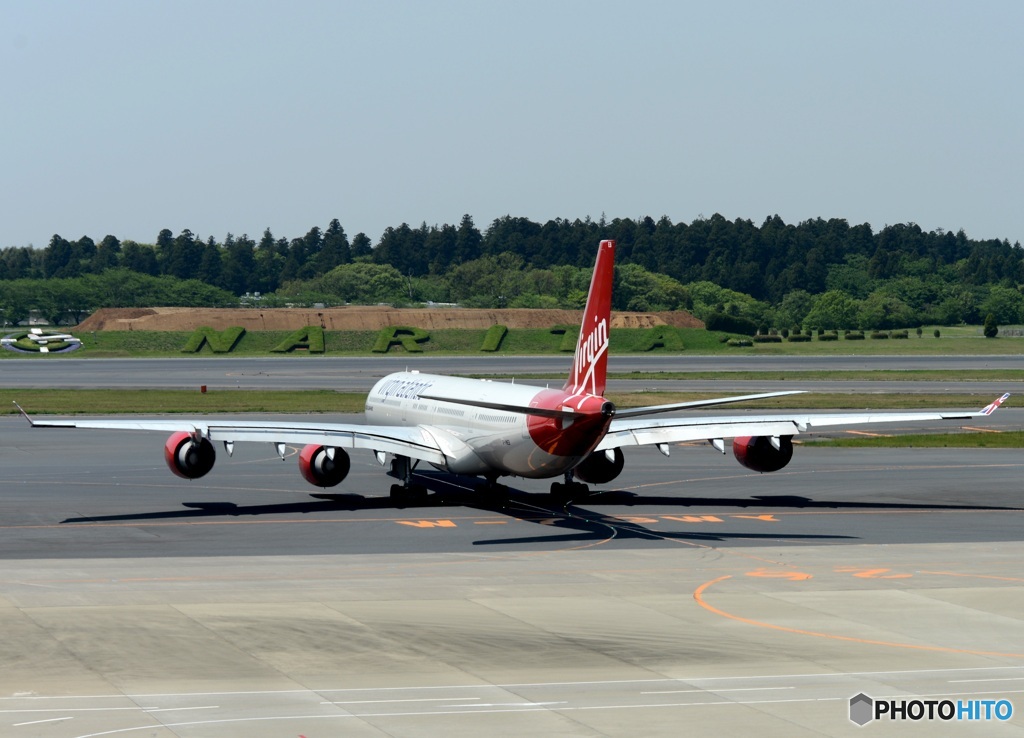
<point x="691" y="596"/>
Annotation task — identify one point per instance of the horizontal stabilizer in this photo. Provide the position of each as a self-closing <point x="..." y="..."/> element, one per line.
<point x="520" y="409"/>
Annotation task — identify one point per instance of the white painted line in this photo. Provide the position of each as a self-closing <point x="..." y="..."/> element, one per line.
<point x="677" y="705"/>
<point x="839" y="674"/>
<point x="948" y="694"/>
<point x="389" y="702"/>
<point x="716" y="691"/>
<point x="79" y="709"/>
<point x="513" y="704"/>
<point x="610" y="682"/>
<point x="49" y="720"/>
<point x="171" y="726"/>
<point x="223" y="722"/>
<point x="1002" y="679"/>
<point x="165" y="694"/>
<point x="180" y="709"/>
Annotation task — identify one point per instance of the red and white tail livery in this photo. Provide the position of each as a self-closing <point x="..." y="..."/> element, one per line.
<point x="590" y="362"/>
<point x="491" y="429"/>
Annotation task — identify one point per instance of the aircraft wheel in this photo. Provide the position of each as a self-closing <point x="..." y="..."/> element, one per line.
<point x="565" y="492"/>
<point x="403" y="495"/>
<point x="400" y="494"/>
<point x="495" y="492"/>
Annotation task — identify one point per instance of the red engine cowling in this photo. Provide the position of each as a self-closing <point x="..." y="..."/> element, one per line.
<point x="188" y="458"/>
<point x="599" y="469"/>
<point x="758" y="453"/>
<point x="319" y="469"/>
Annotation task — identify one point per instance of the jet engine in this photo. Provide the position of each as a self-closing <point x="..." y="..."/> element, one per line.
<point x="187" y="457"/>
<point x="759" y="454"/>
<point x="322" y="466"/>
<point x="598" y="468"/>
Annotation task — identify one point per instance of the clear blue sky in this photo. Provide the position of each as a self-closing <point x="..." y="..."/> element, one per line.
<point x="128" y="117"/>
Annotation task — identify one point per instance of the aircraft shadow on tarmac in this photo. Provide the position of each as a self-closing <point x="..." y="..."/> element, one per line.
<point x="576" y="515"/>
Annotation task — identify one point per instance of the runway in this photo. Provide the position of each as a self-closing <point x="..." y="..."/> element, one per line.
<point x="358" y="374"/>
<point x="691" y="595"/>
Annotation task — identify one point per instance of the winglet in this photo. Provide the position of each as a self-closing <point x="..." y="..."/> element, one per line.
<point x="23" y="413"/>
<point x="993" y="406"/>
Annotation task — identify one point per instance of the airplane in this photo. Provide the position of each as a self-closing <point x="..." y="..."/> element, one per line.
<point x="489" y="429"/>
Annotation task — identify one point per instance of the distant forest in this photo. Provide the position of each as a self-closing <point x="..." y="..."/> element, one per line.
<point x="816" y="274"/>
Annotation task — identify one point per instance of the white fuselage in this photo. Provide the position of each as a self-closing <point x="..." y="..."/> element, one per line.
<point x="475" y="440"/>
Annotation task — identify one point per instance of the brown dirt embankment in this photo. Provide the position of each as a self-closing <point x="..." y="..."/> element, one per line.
<point x="357" y="318"/>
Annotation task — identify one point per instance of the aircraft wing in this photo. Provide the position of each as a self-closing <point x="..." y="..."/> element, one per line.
<point x="642" y="432"/>
<point x="409" y="441"/>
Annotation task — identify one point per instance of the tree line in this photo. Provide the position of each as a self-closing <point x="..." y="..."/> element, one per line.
<point x="818" y="273"/>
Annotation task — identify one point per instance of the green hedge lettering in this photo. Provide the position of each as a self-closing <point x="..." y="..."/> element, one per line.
<point x="660" y="336"/>
<point x="570" y="336"/>
<point x="220" y="343"/>
<point x="493" y="338"/>
<point x="309" y="338"/>
<point x="400" y="335"/>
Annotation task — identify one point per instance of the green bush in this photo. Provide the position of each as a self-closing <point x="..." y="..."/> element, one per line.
<point x="854" y="335"/>
<point x="773" y="338"/>
<point x="900" y="334"/>
<point x="798" y="338"/>
<point x="730" y="324"/>
<point x="833" y="336"/>
<point x="991" y="327"/>
<point x="879" y="334"/>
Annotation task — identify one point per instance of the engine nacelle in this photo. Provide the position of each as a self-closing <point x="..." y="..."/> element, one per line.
<point x="598" y="468"/>
<point x="187" y="457"/>
<point x="319" y="469"/>
<point x="758" y="454"/>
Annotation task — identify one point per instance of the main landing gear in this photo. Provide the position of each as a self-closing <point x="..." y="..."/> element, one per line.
<point x="401" y="468"/>
<point x="492" y="491"/>
<point x="569" y="489"/>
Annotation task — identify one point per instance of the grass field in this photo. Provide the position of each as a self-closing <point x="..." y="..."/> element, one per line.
<point x="796" y="376"/>
<point x="961" y="340"/>
<point x="1010" y="439"/>
<point x="159" y="402"/>
<point x="113" y="401"/>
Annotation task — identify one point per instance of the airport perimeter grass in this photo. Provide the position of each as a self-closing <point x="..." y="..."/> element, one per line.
<point x="152" y="401"/>
<point x="1007" y="439"/>
<point x="160" y="402"/>
<point x="963" y="340"/>
<point x="797" y="376"/>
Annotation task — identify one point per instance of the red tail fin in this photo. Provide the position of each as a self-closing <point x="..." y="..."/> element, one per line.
<point x="589" y="365"/>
